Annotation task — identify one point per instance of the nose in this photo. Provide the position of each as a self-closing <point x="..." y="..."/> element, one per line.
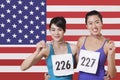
<point x="94" y="25"/>
<point x="56" y="32"/>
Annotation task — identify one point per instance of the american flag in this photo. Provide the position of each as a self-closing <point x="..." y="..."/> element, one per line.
<point x="12" y="55"/>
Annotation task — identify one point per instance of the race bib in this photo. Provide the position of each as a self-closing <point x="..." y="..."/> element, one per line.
<point x="88" y="61"/>
<point x="62" y="64"/>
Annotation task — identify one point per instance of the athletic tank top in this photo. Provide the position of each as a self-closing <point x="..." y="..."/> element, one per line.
<point x="100" y="71"/>
<point x="50" y="66"/>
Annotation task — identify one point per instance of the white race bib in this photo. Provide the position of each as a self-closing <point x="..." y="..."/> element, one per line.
<point x="88" y="61"/>
<point x="62" y="64"/>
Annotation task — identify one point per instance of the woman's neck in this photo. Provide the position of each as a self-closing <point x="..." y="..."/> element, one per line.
<point x="58" y="43"/>
<point x="99" y="36"/>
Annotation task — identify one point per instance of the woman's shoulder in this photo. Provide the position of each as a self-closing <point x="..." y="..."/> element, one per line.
<point x="82" y="38"/>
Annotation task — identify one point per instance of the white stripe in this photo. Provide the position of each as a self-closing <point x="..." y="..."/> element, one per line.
<point x="15" y="56"/>
<point x="117" y="43"/>
<point x="117" y="56"/>
<point x="34" y="69"/>
<point x="3" y="45"/>
<point x="82" y="20"/>
<point x="82" y="8"/>
<point x="17" y="69"/>
<point x="117" y="67"/>
<point x="80" y="32"/>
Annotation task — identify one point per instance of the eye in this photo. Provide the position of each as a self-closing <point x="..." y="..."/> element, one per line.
<point x="97" y="22"/>
<point x="60" y="29"/>
<point x="52" y="29"/>
<point x="89" y="23"/>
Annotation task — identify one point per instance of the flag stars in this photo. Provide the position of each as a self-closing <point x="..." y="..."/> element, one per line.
<point x="31" y="12"/>
<point x="37" y="8"/>
<point x="8" y="40"/>
<point x="26" y="36"/>
<point x="31" y="41"/>
<point x="14" y="16"/>
<point x="2" y="25"/>
<point x="31" y="3"/>
<point x="14" y="6"/>
<point x="2" y="15"/>
<point x="20" y="41"/>
<point x="37" y="27"/>
<point x="42" y="3"/>
<point x="19" y="2"/>
<point x="37" y="37"/>
<point x="8" y="1"/>
<point x="22" y="28"/>
<point x="8" y="11"/>
<point x="20" y="21"/>
<point x="20" y="12"/>
<point x="2" y="35"/>
<point x="25" y="17"/>
<point x="31" y="31"/>
<point x="26" y="26"/>
<point x="42" y="32"/>
<point x="8" y="20"/>
<point x="14" y="35"/>
<point x="8" y="30"/>
<point x="31" y="22"/>
<point x="20" y="31"/>
<point x="42" y="23"/>
<point x="42" y="13"/>
<point x="37" y="18"/>
<point x="14" y="25"/>
<point x="2" y="5"/>
<point x="25" y="7"/>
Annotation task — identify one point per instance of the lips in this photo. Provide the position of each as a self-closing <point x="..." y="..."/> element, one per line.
<point x="56" y="36"/>
<point x="95" y="30"/>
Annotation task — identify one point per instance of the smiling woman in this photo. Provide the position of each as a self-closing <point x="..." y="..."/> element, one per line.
<point x="59" y="54"/>
<point x="95" y="50"/>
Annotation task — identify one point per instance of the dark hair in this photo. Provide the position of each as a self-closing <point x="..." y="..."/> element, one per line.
<point x="91" y="13"/>
<point x="59" y="22"/>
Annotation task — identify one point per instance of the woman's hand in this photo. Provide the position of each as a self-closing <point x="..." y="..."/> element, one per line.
<point x="111" y="47"/>
<point x="46" y="76"/>
<point x="40" y="45"/>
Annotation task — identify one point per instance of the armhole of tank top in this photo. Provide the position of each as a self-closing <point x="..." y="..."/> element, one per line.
<point x="83" y="45"/>
<point x="69" y="48"/>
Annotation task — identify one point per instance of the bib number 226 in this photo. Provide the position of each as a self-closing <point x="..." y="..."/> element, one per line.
<point x="62" y="65"/>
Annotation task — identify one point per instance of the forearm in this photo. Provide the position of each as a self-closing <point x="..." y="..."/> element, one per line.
<point x="28" y="62"/>
<point x="111" y="66"/>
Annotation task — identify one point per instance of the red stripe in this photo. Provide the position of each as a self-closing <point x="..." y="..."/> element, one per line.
<point x="35" y="76"/>
<point x="75" y="38"/>
<point x="40" y="63"/>
<point x="83" y="2"/>
<point x="17" y="49"/>
<point x="2" y="50"/>
<point x="21" y="76"/>
<point x="81" y="14"/>
<point x="82" y="26"/>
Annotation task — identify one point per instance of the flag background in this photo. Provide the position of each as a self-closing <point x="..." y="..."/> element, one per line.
<point x="74" y="11"/>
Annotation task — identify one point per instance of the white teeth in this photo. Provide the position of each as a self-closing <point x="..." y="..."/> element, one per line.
<point x="95" y="30"/>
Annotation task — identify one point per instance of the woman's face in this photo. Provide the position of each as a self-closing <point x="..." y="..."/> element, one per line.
<point x="94" y="25"/>
<point x="57" y="33"/>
